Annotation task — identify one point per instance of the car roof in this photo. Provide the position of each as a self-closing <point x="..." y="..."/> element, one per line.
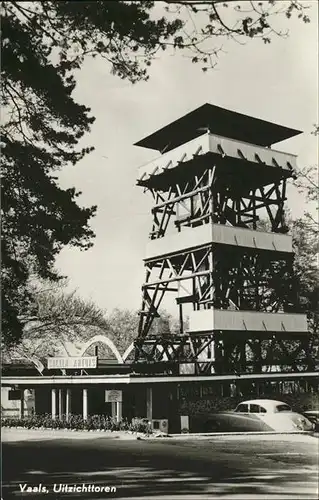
<point x="267" y="403"/>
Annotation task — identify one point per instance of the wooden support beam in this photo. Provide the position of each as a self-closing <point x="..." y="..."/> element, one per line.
<point x="177" y="278"/>
<point x="152" y="287"/>
<point x="179" y="198"/>
<point x="186" y="299"/>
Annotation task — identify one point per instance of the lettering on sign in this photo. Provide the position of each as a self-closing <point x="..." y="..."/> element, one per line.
<point x="113" y="396"/>
<point x="72" y="362"/>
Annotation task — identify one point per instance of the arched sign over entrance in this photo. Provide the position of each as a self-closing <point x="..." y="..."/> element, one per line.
<point x="128" y="352"/>
<point x="104" y="340"/>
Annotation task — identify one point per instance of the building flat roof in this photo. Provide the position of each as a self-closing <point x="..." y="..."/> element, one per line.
<point x="140" y="379"/>
<point x="219" y="121"/>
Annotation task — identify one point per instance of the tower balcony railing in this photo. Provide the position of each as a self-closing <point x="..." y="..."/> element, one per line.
<point x="209" y="234"/>
<point x="208" y="320"/>
<point x="217" y="145"/>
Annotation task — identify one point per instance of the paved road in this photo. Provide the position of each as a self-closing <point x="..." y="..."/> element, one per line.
<point x="216" y="468"/>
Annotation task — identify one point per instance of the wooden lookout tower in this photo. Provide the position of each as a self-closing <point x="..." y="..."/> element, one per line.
<point x="219" y="246"/>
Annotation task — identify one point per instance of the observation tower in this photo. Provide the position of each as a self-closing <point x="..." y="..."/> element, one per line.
<point x="219" y="248"/>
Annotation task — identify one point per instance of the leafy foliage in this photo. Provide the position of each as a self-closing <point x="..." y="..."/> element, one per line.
<point x="307" y="183"/>
<point x="305" y="232"/>
<point x="77" y="423"/>
<point x="306" y="248"/>
<point x="57" y="319"/>
<point x="305" y="269"/>
<point x="61" y="320"/>
<point x="207" y="23"/>
<point x="122" y="329"/>
<point x="42" y="44"/>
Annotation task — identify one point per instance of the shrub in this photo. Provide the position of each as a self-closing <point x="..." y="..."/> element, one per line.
<point x="141" y="425"/>
<point x="76" y="422"/>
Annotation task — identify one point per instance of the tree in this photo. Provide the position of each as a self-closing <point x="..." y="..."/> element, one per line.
<point x="123" y="328"/>
<point x="307" y="183"/>
<point x="57" y="318"/>
<point x="238" y="21"/>
<point x="62" y="318"/>
<point x="43" y="44"/>
<point x="305" y="233"/>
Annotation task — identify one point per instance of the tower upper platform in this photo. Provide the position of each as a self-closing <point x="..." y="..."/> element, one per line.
<point x="218" y="121"/>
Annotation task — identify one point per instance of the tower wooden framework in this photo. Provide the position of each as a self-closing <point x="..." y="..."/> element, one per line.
<point x="219" y="246"/>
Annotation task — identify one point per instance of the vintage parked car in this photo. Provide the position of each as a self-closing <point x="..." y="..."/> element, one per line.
<point x="258" y="415"/>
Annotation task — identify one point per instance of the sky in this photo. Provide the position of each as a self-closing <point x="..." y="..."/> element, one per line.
<point x="276" y="82"/>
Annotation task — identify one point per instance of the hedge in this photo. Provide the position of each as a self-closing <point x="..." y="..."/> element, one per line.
<point x="76" y="422"/>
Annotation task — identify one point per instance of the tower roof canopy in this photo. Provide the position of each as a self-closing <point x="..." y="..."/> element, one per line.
<point x="218" y="121"/>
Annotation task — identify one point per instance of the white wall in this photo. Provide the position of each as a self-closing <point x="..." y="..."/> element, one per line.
<point x="13" y="408"/>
